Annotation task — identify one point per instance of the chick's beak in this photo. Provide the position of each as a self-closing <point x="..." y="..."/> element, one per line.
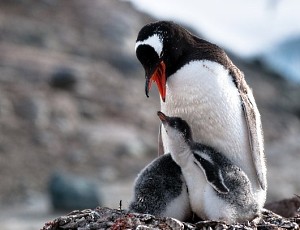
<point x="162" y="116"/>
<point x="157" y="75"/>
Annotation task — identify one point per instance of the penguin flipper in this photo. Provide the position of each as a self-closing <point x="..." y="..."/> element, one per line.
<point x="253" y="123"/>
<point x="212" y="172"/>
<point x="160" y="143"/>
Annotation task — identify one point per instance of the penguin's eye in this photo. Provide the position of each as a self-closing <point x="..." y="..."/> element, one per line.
<point x="174" y="124"/>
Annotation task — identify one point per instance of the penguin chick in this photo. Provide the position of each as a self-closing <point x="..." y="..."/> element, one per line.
<point x="218" y="189"/>
<point x="160" y="190"/>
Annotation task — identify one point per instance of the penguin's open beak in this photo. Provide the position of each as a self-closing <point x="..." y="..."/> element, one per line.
<point x="157" y="75"/>
<point x="164" y="118"/>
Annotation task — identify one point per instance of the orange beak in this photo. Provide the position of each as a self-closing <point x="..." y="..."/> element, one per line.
<point x="159" y="77"/>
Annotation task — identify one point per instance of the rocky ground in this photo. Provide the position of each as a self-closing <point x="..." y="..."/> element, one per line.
<point x="105" y="218"/>
<point x="72" y="100"/>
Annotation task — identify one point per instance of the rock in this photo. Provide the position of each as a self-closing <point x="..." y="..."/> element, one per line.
<point x="124" y="64"/>
<point x="32" y="109"/>
<point x="286" y="208"/>
<point x="27" y="109"/>
<point x="63" y="78"/>
<point x="68" y="192"/>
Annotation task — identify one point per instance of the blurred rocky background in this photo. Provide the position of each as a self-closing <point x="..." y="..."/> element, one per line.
<point x="74" y="118"/>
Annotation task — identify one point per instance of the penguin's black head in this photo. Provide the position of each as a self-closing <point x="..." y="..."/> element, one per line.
<point x="176" y="124"/>
<point x="164" y="47"/>
<point x="158" y="49"/>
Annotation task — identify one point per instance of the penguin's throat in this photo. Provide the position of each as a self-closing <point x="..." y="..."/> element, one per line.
<point x="159" y="77"/>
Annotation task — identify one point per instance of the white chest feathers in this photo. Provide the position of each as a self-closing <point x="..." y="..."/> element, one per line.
<point x="204" y="94"/>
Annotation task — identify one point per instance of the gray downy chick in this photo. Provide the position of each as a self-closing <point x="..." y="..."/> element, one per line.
<point x="160" y="190"/>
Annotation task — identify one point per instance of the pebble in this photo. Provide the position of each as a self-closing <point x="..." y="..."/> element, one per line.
<point x="63" y="78"/>
<point x="69" y="192"/>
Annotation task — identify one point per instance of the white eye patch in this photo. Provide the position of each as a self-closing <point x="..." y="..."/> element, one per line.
<point x="154" y="41"/>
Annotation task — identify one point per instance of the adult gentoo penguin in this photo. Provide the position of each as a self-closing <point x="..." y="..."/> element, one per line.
<point x="218" y="189"/>
<point x="199" y="83"/>
<point x="160" y="190"/>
